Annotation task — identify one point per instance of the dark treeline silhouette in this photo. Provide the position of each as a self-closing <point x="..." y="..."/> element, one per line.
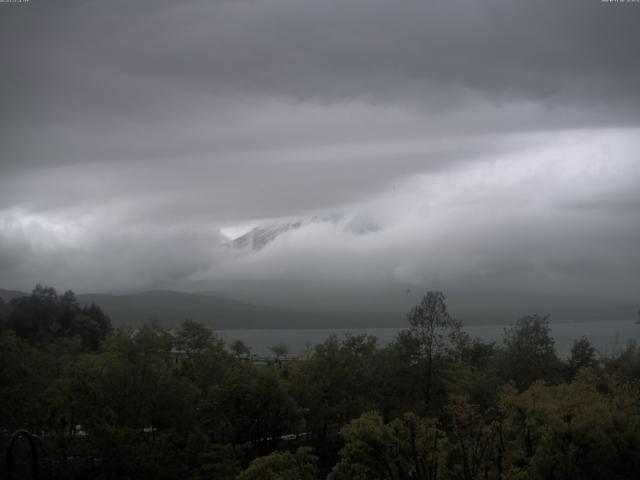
<point x="434" y="404"/>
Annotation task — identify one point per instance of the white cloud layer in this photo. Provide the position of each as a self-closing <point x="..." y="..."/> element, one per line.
<point x="560" y="214"/>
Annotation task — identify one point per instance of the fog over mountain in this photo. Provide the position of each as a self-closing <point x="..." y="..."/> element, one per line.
<point x="333" y="154"/>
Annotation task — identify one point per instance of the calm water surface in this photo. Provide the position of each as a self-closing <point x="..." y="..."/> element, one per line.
<point x="609" y="337"/>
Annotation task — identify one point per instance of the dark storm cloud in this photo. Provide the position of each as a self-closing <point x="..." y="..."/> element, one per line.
<point x="335" y="49"/>
<point x="127" y="128"/>
<point x="116" y="80"/>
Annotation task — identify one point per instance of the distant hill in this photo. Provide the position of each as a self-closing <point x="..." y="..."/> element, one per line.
<point x="170" y="308"/>
<point x="273" y="309"/>
<point x="7" y="295"/>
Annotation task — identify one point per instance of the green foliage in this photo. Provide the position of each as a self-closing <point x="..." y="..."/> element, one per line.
<point x="301" y="465"/>
<point x="370" y="450"/>
<point x="573" y="431"/>
<point x="279" y="350"/>
<point x="583" y="355"/>
<point x="240" y="349"/>
<point x="215" y="460"/>
<point x="408" y="447"/>
<point x="25" y="373"/>
<point x="3" y="314"/>
<point x="432" y="328"/>
<point x="336" y="383"/>
<point x="45" y="314"/>
<point x="194" y="337"/>
<point x="472" y="441"/>
<point x="150" y="403"/>
<point x="626" y="365"/>
<point x="529" y="352"/>
<point x="432" y="343"/>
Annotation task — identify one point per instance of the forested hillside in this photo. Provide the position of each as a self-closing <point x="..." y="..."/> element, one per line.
<point x="434" y="404"/>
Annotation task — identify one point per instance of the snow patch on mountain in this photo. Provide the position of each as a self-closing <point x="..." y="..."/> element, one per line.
<point x="260" y="236"/>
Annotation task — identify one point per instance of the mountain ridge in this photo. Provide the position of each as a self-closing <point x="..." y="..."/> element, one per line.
<point x="7" y="295"/>
<point x="223" y="310"/>
<point x="170" y="308"/>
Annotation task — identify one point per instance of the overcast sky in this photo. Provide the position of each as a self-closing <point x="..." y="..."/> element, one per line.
<point x="492" y="144"/>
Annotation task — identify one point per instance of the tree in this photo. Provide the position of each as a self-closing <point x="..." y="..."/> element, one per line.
<point x="239" y="348"/>
<point x="240" y="403"/>
<point x="280" y="350"/>
<point x="336" y="383"/>
<point x="433" y="334"/>
<point x="529" y="352"/>
<point x="406" y="448"/>
<point x="93" y="326"/>
<point x="44" y="315"/>
<point x="34" y="317"/>
<point x="25" y="374"/>
<point x="626" y="365"/>
<point x="2" y="314"/>
<point x="194" y="337"/>
<point x="471" y="441"/>
<point x="583" y="355"/>
<point x="216" y="461"/>
<point x="573" y="430"/>
<point x="369" y="452"/>
<point x="87" y="323"/>
<point x="301" y="465"/>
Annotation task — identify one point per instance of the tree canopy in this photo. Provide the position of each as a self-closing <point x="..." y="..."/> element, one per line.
<point x="433" y="404"/>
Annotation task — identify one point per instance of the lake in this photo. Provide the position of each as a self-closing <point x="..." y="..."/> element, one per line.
<point x="607" y="337"/>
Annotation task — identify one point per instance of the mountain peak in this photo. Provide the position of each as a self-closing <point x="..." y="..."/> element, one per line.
<point x="258" y="237"/>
